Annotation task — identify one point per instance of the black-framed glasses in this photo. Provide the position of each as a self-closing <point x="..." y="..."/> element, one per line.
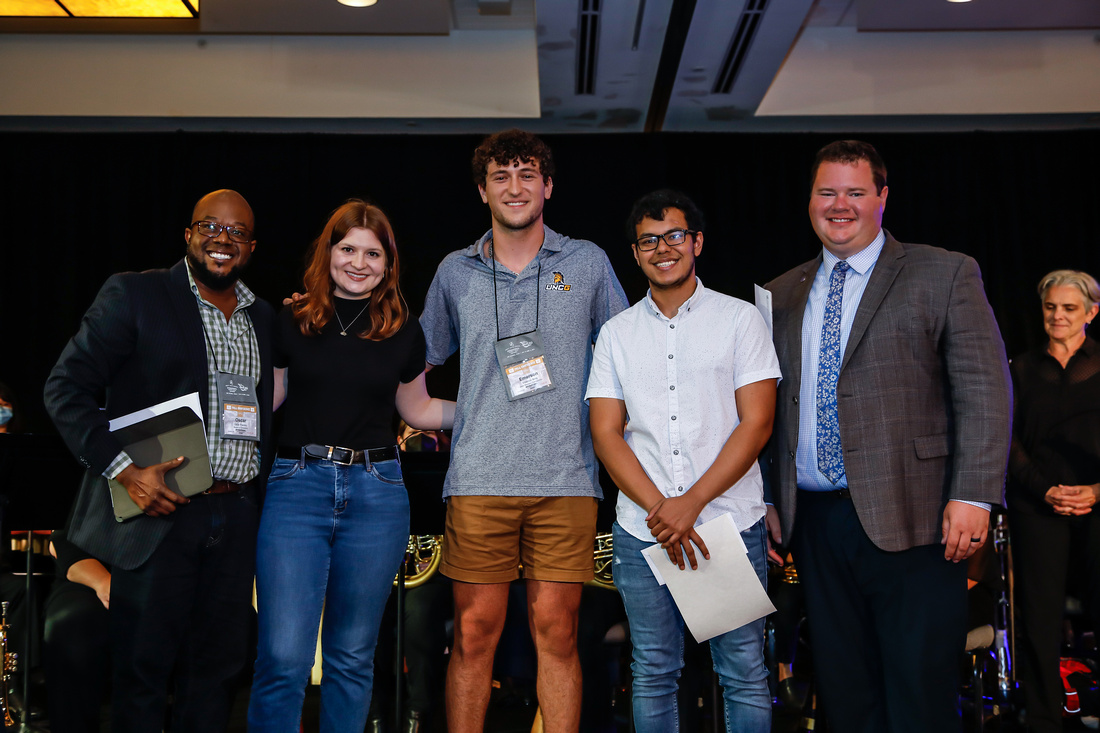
<point x="212" y="229"/>
<point x="672" y="238"/>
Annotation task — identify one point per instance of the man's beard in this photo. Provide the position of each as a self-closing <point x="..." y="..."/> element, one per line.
<point x="210" y="279"/>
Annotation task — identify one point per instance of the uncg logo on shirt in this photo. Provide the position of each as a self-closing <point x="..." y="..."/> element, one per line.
<point x="559" y="283"/>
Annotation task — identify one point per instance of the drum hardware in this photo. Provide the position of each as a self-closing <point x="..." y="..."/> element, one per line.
<point x="422" y="557"/>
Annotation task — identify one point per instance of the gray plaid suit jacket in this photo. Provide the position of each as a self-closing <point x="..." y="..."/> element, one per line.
<point x="924" y="396"/>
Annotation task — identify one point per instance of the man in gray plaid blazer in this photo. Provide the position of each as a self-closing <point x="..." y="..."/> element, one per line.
<point x="890" y="443"/>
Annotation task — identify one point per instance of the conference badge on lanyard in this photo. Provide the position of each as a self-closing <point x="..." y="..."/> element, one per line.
<point x="522" y="361"/>
<point x="239" y="408"/>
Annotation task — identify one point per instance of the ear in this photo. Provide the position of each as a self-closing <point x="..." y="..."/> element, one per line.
<point x="634" y="249"/>
<point x="549" y="188"/>
<point x="481" y="190"/>
<point x="187" y="236"/>
<point x="698" y="243"/>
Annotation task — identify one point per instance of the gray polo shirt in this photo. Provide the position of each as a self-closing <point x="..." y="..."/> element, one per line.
<point x="539" y="445"/>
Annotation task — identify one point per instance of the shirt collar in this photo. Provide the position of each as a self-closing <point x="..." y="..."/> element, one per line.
<point x="551" y="242"/>
<point x="245" y="297"/>
<point x="861" y="261"/>
<point x="685" y="307"/>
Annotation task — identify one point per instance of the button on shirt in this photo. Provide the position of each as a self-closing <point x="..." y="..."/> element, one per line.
<point x="677" y="377"/>
<point x="862" y="263"/>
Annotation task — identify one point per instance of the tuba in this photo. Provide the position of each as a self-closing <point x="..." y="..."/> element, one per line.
<point x="601" y="562"/>
<point x="422" y="558"/>
<point x="9" y="662"/>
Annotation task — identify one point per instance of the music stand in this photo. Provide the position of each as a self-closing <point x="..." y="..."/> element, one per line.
<point x="39" y="479"/>
<point x="423" y="472"/>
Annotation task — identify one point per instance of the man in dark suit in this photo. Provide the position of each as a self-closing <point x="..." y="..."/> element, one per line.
<point x="891" y="440"/>
<point x="182" y="573"/>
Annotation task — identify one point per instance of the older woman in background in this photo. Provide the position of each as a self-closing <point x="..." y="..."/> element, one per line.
<point x="1054" y="472"/>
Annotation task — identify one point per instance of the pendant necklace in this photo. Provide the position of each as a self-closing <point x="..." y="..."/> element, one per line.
<point x="343" y="328"/>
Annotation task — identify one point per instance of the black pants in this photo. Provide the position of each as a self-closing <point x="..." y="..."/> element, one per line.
<point x="887" y="628"/>
<point x="185" y="615"/>
<point x="76" y="655"/>
<point x="1044" y="548"/>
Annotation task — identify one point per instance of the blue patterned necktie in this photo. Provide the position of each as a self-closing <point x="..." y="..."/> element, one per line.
<point x="830" y="461"/>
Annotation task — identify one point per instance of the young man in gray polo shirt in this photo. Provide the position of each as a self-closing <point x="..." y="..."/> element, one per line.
<point x="523" y="306"/>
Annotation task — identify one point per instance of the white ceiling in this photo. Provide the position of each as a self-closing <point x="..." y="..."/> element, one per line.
<point x="439" y="66"/>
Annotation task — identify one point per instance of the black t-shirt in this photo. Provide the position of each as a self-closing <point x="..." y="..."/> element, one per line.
<point x="341" y="389"/>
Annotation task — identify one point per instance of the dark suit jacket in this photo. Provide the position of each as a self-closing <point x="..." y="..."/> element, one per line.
<point x="924" y="398"/>
<point x="140" y="343"/>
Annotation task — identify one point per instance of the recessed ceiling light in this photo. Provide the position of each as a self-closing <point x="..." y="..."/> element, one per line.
<point x="958" y="1"/>
<point x="357" y="3"/>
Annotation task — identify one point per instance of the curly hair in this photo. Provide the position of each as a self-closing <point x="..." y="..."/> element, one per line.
<point x="850" y="152"/>
<point x="510" y="145"/>
<point x="387" y="310"/>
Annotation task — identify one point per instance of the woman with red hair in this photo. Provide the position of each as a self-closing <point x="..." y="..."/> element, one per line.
<point x="335" y="519"/>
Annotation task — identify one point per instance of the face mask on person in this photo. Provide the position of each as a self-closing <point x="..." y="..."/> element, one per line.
<point x="5" y="415"/>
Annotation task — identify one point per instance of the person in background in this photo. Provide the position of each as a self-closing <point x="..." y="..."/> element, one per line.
<point x="1054" y="472"/>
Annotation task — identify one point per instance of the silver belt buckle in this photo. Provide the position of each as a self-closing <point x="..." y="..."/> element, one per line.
<point x="350" y="455"/>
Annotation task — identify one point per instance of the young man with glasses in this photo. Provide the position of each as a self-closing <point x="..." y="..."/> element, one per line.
<point x="181" y="585"/>
<point x="682" y="396"/>
<point x="523" y="305"/>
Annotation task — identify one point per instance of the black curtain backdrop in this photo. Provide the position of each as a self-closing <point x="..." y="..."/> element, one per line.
<point x="76" y="207"/>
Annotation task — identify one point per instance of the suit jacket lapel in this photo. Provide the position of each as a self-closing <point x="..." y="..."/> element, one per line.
<point x="190" y="332"/>
<point x="882" y="277"/>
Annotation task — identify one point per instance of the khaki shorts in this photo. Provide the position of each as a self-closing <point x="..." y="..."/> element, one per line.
<point x="487" y="538"/>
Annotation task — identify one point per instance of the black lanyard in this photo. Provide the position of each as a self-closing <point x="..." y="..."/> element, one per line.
<point x="496" y="307"/>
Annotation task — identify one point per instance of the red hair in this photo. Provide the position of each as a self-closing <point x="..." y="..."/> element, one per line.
<point x="387" y="309"/>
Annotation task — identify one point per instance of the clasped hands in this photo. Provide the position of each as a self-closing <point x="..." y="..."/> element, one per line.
<point x="1073" y="501"/>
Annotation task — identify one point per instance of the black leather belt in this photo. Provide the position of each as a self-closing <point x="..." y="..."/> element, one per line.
<point x="339" y="455"/>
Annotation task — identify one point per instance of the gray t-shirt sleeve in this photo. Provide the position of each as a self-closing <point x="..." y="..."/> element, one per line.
<point x="437" y="320"/>
<point x="611" y="299"/>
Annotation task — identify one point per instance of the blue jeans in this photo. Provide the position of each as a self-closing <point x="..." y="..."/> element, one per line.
<point x="330" y="536"/>
<point x="657" y="634"/>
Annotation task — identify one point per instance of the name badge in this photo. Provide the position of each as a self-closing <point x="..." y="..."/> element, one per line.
<point x="523" y="365"/>
<point x="240" y="411"/>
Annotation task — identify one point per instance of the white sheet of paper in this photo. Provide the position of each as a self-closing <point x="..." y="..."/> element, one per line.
<point x="764" y="305"/>
<point x="724" y="593"/>
<point x="188" y="400"/>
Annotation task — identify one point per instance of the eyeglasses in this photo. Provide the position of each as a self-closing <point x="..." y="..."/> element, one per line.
<point x="672" y="238"/>
<point x="213" y="229"/>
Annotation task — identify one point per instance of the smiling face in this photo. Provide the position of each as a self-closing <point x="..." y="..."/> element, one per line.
<point x="516" y="194"/>
<point x="845" y="208"/>
<point x="357" y="264"/>
<point x="668" y="268"/>
<point x="1066" y="313"/>
<point x="217" y="262"/>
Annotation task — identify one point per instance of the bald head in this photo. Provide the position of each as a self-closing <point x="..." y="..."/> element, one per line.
<point x="224" y="196"/>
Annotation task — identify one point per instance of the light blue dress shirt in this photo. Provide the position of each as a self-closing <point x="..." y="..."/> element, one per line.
<point x="862" y="264"/>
